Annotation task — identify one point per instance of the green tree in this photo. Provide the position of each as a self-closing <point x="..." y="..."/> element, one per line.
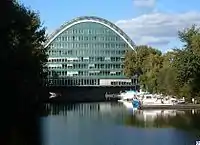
<point x="167" y="82"/>
<point x="135" y="60"/>
<point x="187" y="62"/>
<point x="23" y="69"/>
<point x="174" y="73"/>
<point x="189" y="36"/>
<point x="145" y="62"/>
<point x="22" y="55"/>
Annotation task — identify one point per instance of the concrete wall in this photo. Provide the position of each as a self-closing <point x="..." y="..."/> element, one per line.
<point x="82" y="94"/>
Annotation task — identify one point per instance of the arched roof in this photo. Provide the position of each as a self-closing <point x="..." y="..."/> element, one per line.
<point x="93" y="19"/>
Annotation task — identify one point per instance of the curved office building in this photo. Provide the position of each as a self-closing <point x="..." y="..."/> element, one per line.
<point x="88" y="51"/>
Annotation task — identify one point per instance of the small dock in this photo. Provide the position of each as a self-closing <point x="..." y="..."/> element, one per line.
<point x="112" y="97"/>
<point x="178" y="106"/>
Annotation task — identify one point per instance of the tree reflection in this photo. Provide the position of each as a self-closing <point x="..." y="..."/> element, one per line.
<point x="186" y="120"/>
<point x="179" y="119"/>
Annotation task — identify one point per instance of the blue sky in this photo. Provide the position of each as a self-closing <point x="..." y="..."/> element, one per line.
<point x="151" y="22"/>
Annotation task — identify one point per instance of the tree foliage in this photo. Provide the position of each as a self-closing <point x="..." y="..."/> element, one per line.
<point x="145" y="63"/>
<point x="174" y="73"/>
<point x="22" y="55"/>
<point x="22" y="59"/>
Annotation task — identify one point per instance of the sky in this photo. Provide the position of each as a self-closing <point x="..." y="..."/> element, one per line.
<point x="146" y="22"/>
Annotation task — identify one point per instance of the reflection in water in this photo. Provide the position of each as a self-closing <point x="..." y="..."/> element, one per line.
<point x="180" y="119"/>
<point x="112" y="124"/>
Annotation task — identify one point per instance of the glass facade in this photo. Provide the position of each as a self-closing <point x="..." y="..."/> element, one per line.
<point x="87" y="52"/>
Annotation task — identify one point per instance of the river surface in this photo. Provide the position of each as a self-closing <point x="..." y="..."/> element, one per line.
<point x="112" y="124"/>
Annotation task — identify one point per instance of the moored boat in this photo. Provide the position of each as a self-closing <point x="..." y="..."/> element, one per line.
<point x="132" y="104"/>
<point x="127" y="94"/>
<point x="147" y="100"/>
<point x="151" y="99"/>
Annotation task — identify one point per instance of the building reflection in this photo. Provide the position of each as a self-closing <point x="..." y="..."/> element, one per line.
<point x="83" y="109"/>
<point x="115" y="112"/>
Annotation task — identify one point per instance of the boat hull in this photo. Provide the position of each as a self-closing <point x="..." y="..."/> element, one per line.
<point x="157" y="104"/>
<point x="128" y="104"/>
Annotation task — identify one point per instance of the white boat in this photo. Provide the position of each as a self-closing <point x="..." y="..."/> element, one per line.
<point x="127" y="94"/>
<point x="130" y="94"/>
<point x="181" y="101"/>
<point x="126" y="97"/>
<point x="151" y="99"/>
<point x="146" y="100"/>
<point x="129" y="103"/>
<point x="141" y="93"/>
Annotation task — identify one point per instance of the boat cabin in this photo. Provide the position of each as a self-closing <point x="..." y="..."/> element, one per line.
<point x="151" y="99"/>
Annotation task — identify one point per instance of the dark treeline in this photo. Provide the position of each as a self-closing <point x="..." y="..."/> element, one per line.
<point x="22" y="60"/>
<point x="173" y="73"/>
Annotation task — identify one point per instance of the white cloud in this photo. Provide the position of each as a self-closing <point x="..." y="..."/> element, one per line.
<point x="144" y="3"/>
<point x="158" y="28"/>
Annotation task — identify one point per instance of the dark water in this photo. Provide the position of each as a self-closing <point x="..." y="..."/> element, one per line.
<point x="112" y="124"/>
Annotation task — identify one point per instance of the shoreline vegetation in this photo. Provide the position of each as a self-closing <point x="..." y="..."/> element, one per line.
<point x="175" y="73"/>
<point x="23" y="61"/>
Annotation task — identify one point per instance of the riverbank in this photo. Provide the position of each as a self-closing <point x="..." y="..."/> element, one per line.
<point x="85" y="94"/>
<point x="178" y="106"/>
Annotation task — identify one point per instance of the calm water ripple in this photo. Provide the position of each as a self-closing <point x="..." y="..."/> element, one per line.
<point x="112" y="124"/>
